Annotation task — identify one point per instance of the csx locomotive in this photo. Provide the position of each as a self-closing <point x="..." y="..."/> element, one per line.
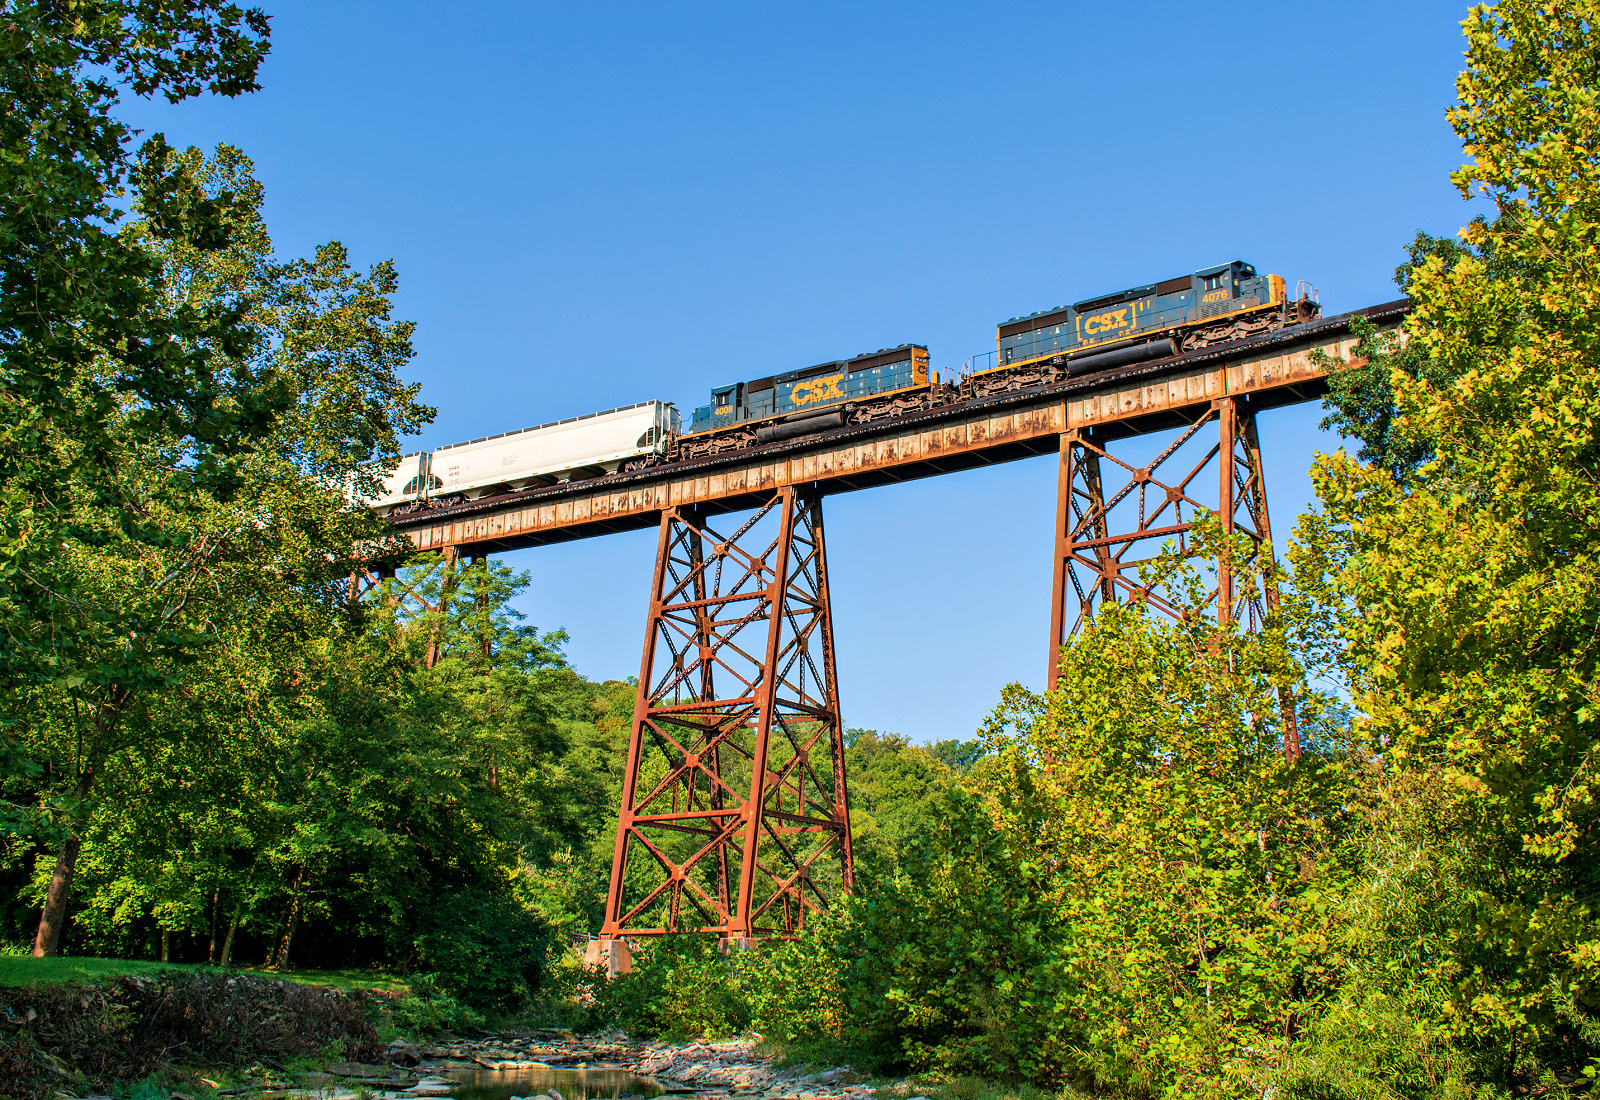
<point x="1209" y="306"/>
<point x="888" y="370"/>
<point x="1212" y="305"/>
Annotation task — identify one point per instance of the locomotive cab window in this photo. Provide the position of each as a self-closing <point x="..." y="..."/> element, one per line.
<point x="1217" y="281"/>
<point x="724" y="400"/>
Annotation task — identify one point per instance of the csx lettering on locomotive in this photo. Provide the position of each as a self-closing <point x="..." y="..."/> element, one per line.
<point x="830" y="388"/>
<point x="1107" y="322"/>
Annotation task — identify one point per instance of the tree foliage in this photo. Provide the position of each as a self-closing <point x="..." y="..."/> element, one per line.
<point x="88" y="345"/>
<point x="1475" y="586"/>
<point x="224" y="748"/>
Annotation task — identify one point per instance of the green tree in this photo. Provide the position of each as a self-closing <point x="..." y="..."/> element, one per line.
<point x="568" y="887"/>
<point x="1361" y="397"/>
<point x="507" y="682"/>
<point x="327" y="798"/>
<point x="86" y="342"/>
<point x="1125" y="890"/>
<point x="894" y="787"/>
<point x="1474" y="585"/>
<point x="154" y="565"/>
<point x="86" y="347"/>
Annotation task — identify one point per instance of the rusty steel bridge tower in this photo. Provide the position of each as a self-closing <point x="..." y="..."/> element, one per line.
<point x="1105" y="508"/>
<point x="735" y="816"/>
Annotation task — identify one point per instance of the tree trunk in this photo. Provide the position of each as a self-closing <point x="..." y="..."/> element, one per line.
<point x="211" y="944"/>
<point x="447" y="586"/>
<point x="272" y="945"/>
<point x="163" y="945"/>
<point x="485" y="617"/>
<point x="294" y="919"/>
<point x="227" y="944"/>
<point x="48" y="939"/>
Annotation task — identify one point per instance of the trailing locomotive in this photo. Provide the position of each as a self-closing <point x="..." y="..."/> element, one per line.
<point x="801" y="392"/>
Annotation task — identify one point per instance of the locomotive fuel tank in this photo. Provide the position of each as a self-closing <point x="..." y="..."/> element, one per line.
<point x="802" y="423"/>
<point x="1121" y="357"/>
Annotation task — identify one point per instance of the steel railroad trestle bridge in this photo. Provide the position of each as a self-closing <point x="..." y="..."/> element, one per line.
<point x="734" y="818"/>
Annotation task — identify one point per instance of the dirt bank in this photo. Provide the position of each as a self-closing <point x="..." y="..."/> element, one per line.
<point x="56" y="1038"/>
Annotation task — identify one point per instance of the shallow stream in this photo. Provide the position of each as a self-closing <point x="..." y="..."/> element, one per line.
<point x="572" y="1084"/>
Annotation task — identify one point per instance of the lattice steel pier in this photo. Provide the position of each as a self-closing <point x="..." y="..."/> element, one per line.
<point x="1108" y="510"/>
<point x="735" y="816"/>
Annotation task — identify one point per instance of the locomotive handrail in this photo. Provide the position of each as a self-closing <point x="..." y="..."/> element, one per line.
<point x="981" y="361"/>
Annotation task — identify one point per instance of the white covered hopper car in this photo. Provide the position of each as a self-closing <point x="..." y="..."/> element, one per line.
<point x="567" y="450"/>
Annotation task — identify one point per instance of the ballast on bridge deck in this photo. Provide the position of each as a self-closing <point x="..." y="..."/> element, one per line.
<point x="1268" y="371"/>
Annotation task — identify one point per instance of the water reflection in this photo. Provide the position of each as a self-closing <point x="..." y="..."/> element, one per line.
<point x="572" y="1084"/>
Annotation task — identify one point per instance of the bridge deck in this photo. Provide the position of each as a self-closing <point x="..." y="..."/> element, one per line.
<point x="1267" y="371"/>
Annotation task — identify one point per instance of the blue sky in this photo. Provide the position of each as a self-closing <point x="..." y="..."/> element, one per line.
<point x="596" y="204"/>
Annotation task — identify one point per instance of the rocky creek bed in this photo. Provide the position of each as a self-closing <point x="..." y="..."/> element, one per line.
<point x="558" y="1066"/>
<point x="62" y="1042"/>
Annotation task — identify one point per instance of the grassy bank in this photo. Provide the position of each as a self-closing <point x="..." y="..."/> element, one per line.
<point x="19" y="970"/>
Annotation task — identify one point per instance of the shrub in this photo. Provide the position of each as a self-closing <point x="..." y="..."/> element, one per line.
<point x="1378" y="1048"/>
<point x="483" y="949"/>
<point x="431" y="1015"/>
<point x="680" y="986"/>
<point x="685" y="987"/>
